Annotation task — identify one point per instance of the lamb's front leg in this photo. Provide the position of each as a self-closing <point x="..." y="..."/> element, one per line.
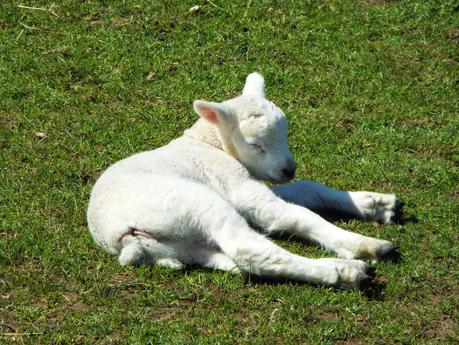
<point x="384" y="208"/>
<point x="261" y="206"/>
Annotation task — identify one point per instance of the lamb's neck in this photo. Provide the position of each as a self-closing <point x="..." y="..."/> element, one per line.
<point x="204" y="132"/>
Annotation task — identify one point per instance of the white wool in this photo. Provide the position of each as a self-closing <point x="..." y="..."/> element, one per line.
<point x="193" y="199"/>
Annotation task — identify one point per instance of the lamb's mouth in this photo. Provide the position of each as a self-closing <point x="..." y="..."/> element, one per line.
<point x="279" y="180"/>
<point x="271" y="179"/>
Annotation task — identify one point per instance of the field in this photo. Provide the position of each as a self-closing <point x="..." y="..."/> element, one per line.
<point x="371" y="92"/>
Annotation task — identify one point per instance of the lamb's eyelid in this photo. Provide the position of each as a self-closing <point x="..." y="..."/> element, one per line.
<point x="257" y="146"/>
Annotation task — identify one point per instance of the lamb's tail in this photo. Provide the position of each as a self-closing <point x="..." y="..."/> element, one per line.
<point x="140" y="247"/>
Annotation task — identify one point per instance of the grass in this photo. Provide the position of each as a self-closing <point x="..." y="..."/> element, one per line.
<point x="371" y="92"/>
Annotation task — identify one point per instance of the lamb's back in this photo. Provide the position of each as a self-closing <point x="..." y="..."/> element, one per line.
<point x="184" y="158"/>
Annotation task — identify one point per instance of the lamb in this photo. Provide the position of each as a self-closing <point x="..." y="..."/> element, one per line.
<point x="197" y="201"/>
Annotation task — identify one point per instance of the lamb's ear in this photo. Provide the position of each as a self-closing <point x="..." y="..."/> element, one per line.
<point x="215" y="113"/>
<point x="254" y="85"/>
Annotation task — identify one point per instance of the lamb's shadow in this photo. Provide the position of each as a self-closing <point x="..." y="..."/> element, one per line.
<point x="333" y="215"/>
<point x="374" y="291"/>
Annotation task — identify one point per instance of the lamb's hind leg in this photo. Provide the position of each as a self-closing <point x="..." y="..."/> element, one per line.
<point x="384" y="208"/>
<point x="213" y="258"/>
<point x="254" y="253"/>
<point x="220" y="226"/>
<point x="137" y="250"/>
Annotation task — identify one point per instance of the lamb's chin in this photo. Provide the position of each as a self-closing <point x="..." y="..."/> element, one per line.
<point x="266" y="178"/>
<point x="276" y="180"/>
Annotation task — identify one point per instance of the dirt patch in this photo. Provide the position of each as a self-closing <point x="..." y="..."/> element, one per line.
<point x="347" y="125"/>
<point x="453" y="194"/>
<point x="121" y="279"/>
<point x="443" y="152"/>
<point x="73" y="301"/>
<point x="119" y="21"/>
<point x="7" y="235"/>
<point x="329" y="315"/>
<point x="171" y="313"/>
<point x="453" y="35"/>
<point x="442" y="329"/>
<point x="243" y="320"/>
<point x="7" y="321"/>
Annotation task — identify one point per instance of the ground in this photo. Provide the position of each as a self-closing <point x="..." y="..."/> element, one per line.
<point x="371" y="92"/>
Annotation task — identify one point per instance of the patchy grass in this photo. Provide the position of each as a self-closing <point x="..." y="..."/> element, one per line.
<point x="371" y="91"/>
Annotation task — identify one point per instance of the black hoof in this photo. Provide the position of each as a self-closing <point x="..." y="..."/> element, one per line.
<point x="398" y="212"/>
<point x="365" y="283"/>
<point x="371" y="272"/>
<point x="399" y="205"/>
<point x="389" y="252"/>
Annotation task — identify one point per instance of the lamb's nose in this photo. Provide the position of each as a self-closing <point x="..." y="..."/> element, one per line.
<point x="289" y="172"/>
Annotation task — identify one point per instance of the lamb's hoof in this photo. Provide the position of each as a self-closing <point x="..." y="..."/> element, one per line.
<point x="398" y="212"/>
<point x="365" y="283"/>
<point x="389" y="252"/>
<point x="353" y="274"/>
<point x="170" y="263"/>
<point x="383" y="208"/>
<point x="399" y="204"/>
<point x="367" y="280"/>
<point x="371" y="272"/>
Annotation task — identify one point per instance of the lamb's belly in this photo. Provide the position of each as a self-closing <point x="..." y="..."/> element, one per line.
<point x="164" y="206"/>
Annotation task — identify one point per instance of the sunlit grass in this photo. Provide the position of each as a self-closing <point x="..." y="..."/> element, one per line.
<point x="370" y="89"/>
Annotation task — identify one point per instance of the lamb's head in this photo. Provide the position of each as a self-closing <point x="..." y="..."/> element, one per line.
<point x="253" y="130"/>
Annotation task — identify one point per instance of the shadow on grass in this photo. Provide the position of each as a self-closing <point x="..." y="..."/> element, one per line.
<point x="373" y="291"/>
<point x="400" y="218"/>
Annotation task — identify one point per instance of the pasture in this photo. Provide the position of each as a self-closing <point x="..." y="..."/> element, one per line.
<point x="370" y="89"/>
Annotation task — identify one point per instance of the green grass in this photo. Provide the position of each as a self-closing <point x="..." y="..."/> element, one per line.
<point x="371" y="92"/>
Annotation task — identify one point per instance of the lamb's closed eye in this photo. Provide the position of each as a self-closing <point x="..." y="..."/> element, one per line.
<point x="257" y="147"/>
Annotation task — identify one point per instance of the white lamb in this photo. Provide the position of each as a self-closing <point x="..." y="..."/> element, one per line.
<point x="191" y="201"/>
